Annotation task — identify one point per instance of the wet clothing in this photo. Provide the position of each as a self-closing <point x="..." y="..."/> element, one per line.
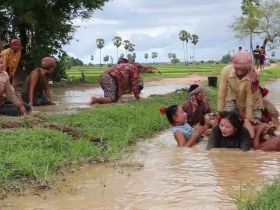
<point x="186" y="129"/>
<point x="110" y="86"/>
<point x="11" y="60"/>
<point x="123" y="75"/>
<point x="197" y="116"/>
<point x="9" y="109"/>
<point x="240" y="140"/>
<point x="39" y="98"/>
<point x="240" y="91"/>
<point x="271" y="109"/>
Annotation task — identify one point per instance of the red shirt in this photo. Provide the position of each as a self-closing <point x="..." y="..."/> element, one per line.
<point x="262" y="55"/>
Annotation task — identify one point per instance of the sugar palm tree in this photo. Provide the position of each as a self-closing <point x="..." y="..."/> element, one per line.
<point x="117" y="42"/>
<point x="189" y="37"/>
<point x="126" y="46"/>
<point x="183" y="37"/>
<point x="100" y="44"/>
<point x="154" y="55"/>
<point x="194" y="41"/>
<point x="122" y="56"/>
<point x="146" y="55"/>
<point x="131" y="47"/>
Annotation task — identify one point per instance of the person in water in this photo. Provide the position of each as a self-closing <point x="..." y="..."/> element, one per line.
<point x="11" y="57"/>
<point x="196" y="106"/>
<point x="230" y="133"/>
<point x="184" y="134"/>
<point x="115" y="81"/>
<point x="13" y="107"/>
<point x="35" y="90"/>
<point x="243" y="83"/>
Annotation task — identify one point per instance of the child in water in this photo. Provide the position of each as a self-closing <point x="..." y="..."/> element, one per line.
<point x="184" y="134"/>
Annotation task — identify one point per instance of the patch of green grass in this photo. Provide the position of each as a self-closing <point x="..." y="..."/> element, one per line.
<point x="267" y="199"/>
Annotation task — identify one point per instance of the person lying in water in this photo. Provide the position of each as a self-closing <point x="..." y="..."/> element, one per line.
<point x="184" y="134"/>
<point x="115" y="80"/>
<point x="230" y="133"/>
<point x="13" y="107"/>
<point x="35" y="90"/>
<point x="196" y="106"/>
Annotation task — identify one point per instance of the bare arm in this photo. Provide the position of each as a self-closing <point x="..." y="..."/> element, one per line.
<point x="181" y="140"/>
<point x="33" y="81"/>
<point x="47" y="89"/>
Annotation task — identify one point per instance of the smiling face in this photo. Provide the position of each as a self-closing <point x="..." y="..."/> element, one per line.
<point x="226" y="128"/>
<point x="181" y="116"/>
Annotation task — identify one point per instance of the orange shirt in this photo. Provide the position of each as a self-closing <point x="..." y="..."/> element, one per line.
<point x="11" y="60"/>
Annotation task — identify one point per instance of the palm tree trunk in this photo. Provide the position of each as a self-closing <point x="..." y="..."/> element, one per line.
<point x="117" y="54"/>
<point x="184" y="52"/>
<point x="100" y="56"/>
<point x="187" y="53"/>
<point x="193" y="53"/>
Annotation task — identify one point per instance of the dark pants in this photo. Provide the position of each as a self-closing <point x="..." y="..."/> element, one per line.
<point x="37" y="100"/>
<point x="9" y="109"/>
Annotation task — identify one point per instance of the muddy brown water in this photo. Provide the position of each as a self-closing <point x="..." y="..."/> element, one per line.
<point x="69" y="100"/>
<point x="163" y="177"/>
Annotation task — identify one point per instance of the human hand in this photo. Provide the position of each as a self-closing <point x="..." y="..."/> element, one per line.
<point x="52" y="103"/>
<point x="30" y="104"/>
<point x="22" y="109"/>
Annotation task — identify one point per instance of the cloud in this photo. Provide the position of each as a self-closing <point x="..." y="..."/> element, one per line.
<point x="153" y="26"/>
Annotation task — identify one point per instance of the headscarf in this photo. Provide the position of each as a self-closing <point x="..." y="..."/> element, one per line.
<point x="16" y="42"/>
<point x="48" y="62"/>
<point x="138" y="66"/>
<point x="244" y="59"/>
<point x="193" y="99"/>
<point x="123" y="60"/>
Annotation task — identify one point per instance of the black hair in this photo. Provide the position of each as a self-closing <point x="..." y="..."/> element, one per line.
<point x="257" y="46"/>
<point x="262" y="47"/>
<point x="193" y="87"/>
<point x="171" y="112"/>
<point x="240" y="47"/>
<point x="234" y="118"/>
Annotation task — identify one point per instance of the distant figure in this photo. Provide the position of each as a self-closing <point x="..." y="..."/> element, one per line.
<point x="11" y="57"/>
<point x="262" y="57"/>
<point x="256" y="54"/>
<point x="230" y="133"/>
<point x="13" y="106"/>
<point x="239" y="48"/>
<point x="244" y="94"/>
<point x="196" y="106"/>
<point x="35" y="90"/>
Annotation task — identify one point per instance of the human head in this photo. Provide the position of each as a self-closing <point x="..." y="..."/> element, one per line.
<point x="138" y="66"/>
<point x="239" y="48"/>
<point x="230" y="123"/>
<point x="48" y="63"/>
<point x="123" y="60"/>
<point x="197" y="90"/>
<point x="257" y="47"/>
<point x="262" y="48"/>
<point x="1" y="65"/>
<point x="175" y="115"/>
<point x="242" y="61"/>
<point x="16" y="45"/>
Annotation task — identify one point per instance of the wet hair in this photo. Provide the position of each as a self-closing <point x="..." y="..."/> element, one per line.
<point x="234" y="118"/>
<point x="193" y="87"/>
<point x="171" y="112"/>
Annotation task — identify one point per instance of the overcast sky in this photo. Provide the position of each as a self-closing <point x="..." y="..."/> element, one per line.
<point x="154" y="25"/>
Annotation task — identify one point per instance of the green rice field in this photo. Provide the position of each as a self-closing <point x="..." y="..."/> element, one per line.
<point x="93" y="71"/>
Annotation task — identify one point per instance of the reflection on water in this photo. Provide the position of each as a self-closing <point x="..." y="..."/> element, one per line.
<point x="172" y="178"/>
<point x="68" y="100"/>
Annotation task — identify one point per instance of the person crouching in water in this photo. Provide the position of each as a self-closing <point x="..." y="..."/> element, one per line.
<point x="36" y="90"/>
<point x="115" y="81"/>
<point x="184" y="134"/>
<point x="13" y="107"/>
<point x="197" y="106"/>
